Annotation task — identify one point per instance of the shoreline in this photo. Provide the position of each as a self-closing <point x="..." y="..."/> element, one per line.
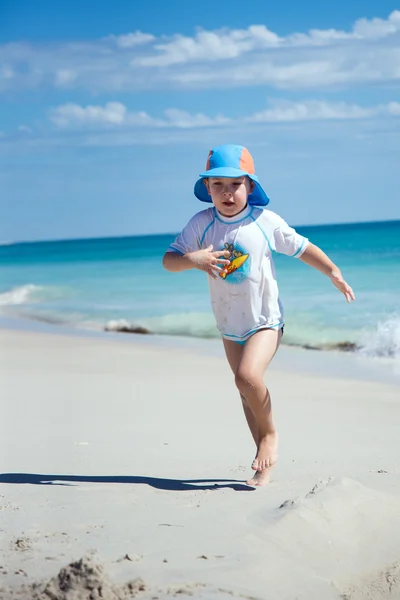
<point x="349" y="365"/>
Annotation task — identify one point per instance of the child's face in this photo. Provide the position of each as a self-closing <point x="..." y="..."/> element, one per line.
<point x="229" y="195"/>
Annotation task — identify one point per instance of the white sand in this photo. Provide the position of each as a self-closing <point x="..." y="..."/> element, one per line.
<point x="111" y="450"/>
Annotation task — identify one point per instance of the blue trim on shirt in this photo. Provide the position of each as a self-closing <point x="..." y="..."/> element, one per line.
<point x="300" y="249"/>
<point x="263" y="232"/>
<point x="174" y="250"/>
<point x="206" y="229"/>
<point x="233" y="222"/>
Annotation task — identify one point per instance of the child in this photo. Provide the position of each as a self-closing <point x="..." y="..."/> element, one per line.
<point x="233" y="243"/>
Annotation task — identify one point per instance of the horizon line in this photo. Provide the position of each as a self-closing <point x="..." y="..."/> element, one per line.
<point x="126" y="236"/>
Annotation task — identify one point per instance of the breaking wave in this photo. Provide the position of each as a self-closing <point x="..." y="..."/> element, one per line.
<point x="32" y="302"/>
<point x="384" y="341"/>
<point x="20" y="295"/>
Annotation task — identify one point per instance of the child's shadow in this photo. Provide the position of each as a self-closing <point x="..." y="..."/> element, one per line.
<point x="175" y="485"/>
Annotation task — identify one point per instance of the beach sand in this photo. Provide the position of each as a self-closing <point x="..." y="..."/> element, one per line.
<point x="128" y="462"/>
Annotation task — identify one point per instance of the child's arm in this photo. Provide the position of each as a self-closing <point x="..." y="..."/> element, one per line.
<point x="316" y="258"/>
<point x="205" y="260"/>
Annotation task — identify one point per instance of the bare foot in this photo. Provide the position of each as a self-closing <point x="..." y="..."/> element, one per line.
<point x="267" y="452"/>
<point x="259" y="478"/>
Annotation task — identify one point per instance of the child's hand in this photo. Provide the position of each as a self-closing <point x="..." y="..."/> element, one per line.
<point x="342" y="286"/>
<point x="208" y="261"/>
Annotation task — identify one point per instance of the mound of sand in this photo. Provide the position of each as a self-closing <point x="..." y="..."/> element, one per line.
<point x="335" y="536"/>
<point x="81" y="580"/>
<point x="86" y="580"/>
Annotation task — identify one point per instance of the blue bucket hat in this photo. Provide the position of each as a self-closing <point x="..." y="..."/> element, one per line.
<point x="230" y="160"/>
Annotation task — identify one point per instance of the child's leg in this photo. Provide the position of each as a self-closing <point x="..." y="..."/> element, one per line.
<point x="249" y="367"/>
<point x="234" y="353"/>
<point x="257" y="355"/>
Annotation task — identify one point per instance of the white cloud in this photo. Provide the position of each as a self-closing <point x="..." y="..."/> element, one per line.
<point x="115" y="115"/>
<point x="227" y="44"/>
<point x="130" y="40"/>
<point x="367" y="53"/>
<point x="311" y="110"/>
<point x="316" y="110"/>
<point x="363" y="29"/>
<point x="299" y="74"/>
<point x="184" y="120"/>
<point x="209" y="46"/>
<point x="112" y="114"/>
<point x="307" y="120"/>
<point x="377" y="28"/>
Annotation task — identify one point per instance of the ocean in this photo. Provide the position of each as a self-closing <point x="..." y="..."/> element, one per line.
<point x="120" y="284"/>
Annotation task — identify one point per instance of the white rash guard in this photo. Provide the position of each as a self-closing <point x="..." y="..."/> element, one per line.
<point x="245" y="298"/>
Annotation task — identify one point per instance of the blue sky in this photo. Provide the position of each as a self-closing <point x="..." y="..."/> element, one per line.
<point x="108" y="110"/>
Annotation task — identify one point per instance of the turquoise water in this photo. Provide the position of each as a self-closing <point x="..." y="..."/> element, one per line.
<point x="98" y="283"/>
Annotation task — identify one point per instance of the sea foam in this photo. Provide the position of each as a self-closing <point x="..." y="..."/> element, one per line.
<point x="19" y="295"/>
<point x="384" y="340"/>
